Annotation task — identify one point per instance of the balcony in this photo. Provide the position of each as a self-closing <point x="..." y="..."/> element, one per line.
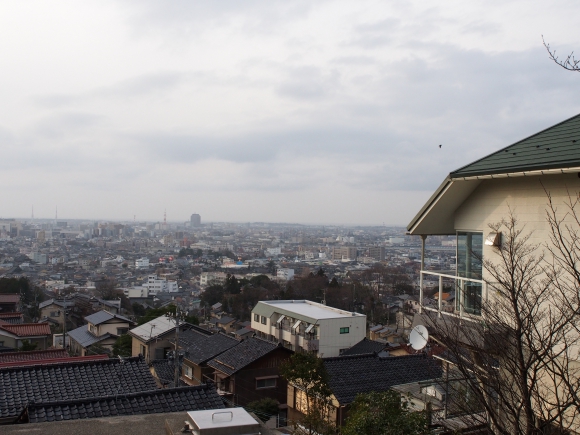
<point x="470" y="294"/>
<point x="311" y="345"/>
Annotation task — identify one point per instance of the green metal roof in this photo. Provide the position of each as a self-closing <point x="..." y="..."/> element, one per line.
<point x="553" y="148"/>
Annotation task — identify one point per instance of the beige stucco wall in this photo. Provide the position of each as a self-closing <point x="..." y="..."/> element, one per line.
<point x="525" y="196"/>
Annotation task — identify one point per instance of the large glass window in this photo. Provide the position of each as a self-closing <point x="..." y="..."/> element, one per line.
<point x="469" y="256"/>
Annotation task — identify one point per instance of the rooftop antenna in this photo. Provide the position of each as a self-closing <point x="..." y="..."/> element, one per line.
<point x="419" y="337"/>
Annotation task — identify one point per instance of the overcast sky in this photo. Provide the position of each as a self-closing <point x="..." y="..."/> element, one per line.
<point x="276" y="111"/>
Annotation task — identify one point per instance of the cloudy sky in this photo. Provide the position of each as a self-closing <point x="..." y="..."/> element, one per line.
<point x="277" y="111"/>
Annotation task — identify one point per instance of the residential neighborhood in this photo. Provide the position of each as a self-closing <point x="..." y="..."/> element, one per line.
<point x="289" y="218"/>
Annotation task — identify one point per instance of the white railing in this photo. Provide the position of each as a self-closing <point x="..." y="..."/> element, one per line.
<point x="458" y="290"/>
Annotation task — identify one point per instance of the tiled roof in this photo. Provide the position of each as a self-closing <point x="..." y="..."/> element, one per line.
<point x="103" y="316"/>
<point x="20" y="386"/>
<point x="148" y="402"/>
<point x="13" y="318"/>
<point x="85" y="338"/>
<point x="56" y="302"/>
<point x="33" y="355"/>
<point x="165" y="371"/>
<point x="201" y="347"/>
<point x="365" y="346"/>
<point x="243" y="354"/>
<point x="67" y="359"/>
<point x="225" y="320"/>
<point x="351" y="375"/>
<point x="9" y="298"/>
<point x="27" y="329"/>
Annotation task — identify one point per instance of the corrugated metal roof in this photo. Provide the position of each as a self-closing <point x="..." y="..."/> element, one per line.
<point x="152" y="329"/>
<point x="554" y="148"/>
<point x="104" y="316"/>
<point x="83" y="337"/>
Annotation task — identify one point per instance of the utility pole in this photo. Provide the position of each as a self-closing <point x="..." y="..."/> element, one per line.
<point x="64" y="326"/>
<point x="177" y="355"/>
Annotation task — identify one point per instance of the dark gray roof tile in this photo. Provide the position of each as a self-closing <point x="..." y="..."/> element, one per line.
<point x="146" y="402"/>
<point x="243" y="354"/>
<point x="69" y="381"/>
<point x="365" y="346"/>
<point x="351" y="375"/>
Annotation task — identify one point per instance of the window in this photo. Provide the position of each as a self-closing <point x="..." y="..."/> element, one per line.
<point x="187" y="371"/>
<point x="142" y="350"/>
<point x="469" y="256"/>
<point x="54" y="314"/>
<point x="265" y="383"/>
<point x="122" y="331"/>
<point x="263" y="320"/>
<point x="256" y="317"/>
<point x="344" y="330"/>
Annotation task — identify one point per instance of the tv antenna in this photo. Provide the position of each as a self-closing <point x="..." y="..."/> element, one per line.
<point x="419" y="337"/>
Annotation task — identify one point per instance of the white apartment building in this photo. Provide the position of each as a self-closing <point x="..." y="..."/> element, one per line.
<point x="274" y="251"/>
<point x="156" y="285"/>
<point x="285" y="274"/>
<point x="306" y="326"/>
<point x="207" y="278"/>
<point x="142" y="263"/>
<point x="136" y="292"/>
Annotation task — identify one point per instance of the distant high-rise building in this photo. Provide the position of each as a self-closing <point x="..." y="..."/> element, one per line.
<point x="377" y="252"/>
<point x="195" y="220"/>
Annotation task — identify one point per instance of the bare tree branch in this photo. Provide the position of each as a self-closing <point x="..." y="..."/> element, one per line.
<point x="570" y="63"/>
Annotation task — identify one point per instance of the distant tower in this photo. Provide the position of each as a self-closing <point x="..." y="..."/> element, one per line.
<point x="56" y="214"/>
<point x="32" y="217"/>
<point x="195" y="220"/>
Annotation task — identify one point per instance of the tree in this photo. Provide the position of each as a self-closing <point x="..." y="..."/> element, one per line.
<point x="570" y="63"/>
<point x="138" y="309"/>
<point x="514" y="363"/>
<point x="307" y="374"/>
<point x="212" y="295"/>
<point x="384" y="413"/>
<point x="123" y="346"/>
<point x="27" y="346"/>
<point x="264" y="408"/>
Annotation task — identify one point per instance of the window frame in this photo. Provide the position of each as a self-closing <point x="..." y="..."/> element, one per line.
<point x="265" y="380"/>
<point x="345" y="330"/>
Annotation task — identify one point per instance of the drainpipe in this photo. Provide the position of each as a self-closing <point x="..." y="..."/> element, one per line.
<point x="423" y="238"/>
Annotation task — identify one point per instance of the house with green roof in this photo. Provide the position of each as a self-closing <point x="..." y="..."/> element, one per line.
<point x="514" y="179"/>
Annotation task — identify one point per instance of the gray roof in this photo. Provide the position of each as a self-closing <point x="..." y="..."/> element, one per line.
<point x="56" y="302"/>
<point x="365" y="346"/>
<point x="20" y="386"/>
<point x="85" y="338"/>
<point x="243" y="354"/>
<point x="351" y="375"/>
<point x="153" y="329"/>
<point x="104" y="316"/>
<point x="146" y="402"/>
<point x="202" y="346"/>
<point x="556" y="147"/>
<point x="165" y="372"/>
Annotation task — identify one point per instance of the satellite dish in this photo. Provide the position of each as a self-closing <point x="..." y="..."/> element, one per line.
<point x="419" y="337"/>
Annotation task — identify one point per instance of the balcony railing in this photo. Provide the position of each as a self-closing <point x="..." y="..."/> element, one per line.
<point x="468" y="299"/>
<point x="311" y="345"/>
